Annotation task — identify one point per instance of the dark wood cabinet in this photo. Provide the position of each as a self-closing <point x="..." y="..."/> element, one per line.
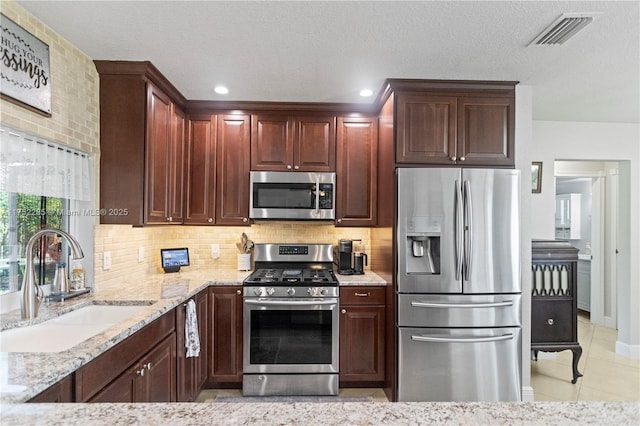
<point x="225" y="344"/>
<point x="192" y="372"/>
<point x="141" y="145"/>
<point x="362" y="336"/>
<point x="232" y="165"/>
<point x="151" y="379"/>
<point x="149" y="352"/>
<point x="357" y="168"/>
<point x="283" y="143"/>
<point x="455" y="123"/>
<point x="201" y="170"/>
<point x="58" y="392"/>
<point x="554" y="306"/>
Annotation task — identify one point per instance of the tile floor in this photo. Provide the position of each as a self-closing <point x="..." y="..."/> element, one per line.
<point x="606" y="376"/>
<point x="376" y="394"/>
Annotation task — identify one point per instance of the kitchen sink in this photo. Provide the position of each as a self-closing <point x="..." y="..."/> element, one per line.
<point x="66" y="331"/>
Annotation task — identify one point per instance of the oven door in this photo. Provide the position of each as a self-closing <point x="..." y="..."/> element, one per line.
<point x="290" y="335"/>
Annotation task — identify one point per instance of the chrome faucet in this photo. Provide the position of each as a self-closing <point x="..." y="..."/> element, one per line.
<point x="31" y="292"/>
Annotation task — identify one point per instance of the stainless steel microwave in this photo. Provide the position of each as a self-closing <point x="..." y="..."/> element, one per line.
<point x="292" y="195"/>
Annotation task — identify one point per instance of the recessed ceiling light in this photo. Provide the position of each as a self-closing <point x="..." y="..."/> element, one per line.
<point x="221" y="90"/>
<point x="366" y="93"/>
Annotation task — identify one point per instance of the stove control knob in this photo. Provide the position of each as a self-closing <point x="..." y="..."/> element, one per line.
<point x="270" y="291"/>
<point x="311" y="291"/>
<point x="291" y="291"/>
<point x="257" y="291"/>
<point x="323" y="291"/>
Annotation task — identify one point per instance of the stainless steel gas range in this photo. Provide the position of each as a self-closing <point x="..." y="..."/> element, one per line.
<point x="291" y="321"/>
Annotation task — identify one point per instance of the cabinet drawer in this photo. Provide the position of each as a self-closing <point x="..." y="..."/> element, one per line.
<point x="552" y="321"/>
<point x="362" y="295"/>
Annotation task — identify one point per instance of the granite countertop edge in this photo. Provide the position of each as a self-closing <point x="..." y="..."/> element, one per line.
<point x="29" y="373"/>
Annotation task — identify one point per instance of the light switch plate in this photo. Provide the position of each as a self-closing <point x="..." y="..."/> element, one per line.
<point x="106" y="260"/>
<point x="215" y="251"/>
<point x="140" y="254"/>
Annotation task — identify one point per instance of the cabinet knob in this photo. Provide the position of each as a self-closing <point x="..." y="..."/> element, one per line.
<point x="169" y="219"/>
<point x="550" y="321"/>
<point x="339" y="220"/>
<point x="288" y="166"/>
<point x="245" y="220"/>
<point x="140" y="372"/>
<point x="344" y="311"/>
<point x="147" y="366"/>
<point x="238" y="292"/>
<point x="210" y="220"/>
<point x="296" y="167"/>
<point x="454" y="158"/>
<point x="462" y="158"/>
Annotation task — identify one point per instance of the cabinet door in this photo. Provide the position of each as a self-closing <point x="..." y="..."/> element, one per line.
<point x="225" y="346"/>
<point x="158" y="383"/>
<point x="176" y="165"/>
<point x="361" y="344"/>
<point x="157" y="156"/>
<point x="58" y="392"/>
<point x="271" y="142"/>
<point x="232" y="164"/>
<point x="201" y="176"/>
<point x="485" y="131"/>
<point x="122" y="389"/>
<point x="425" y="129"/>
<point x="314" y="148"/>
<point x="357" y="158"/>
<point x="192" y="371"/>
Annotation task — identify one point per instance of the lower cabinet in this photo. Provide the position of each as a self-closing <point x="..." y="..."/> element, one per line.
<point x="58" y="392"/>
<point x="152" y="379"/>
<point x="225" y="345"/>
<point x="362" y="336"/>
<point x="192" y="372"/>
<point x="140" y="368"/>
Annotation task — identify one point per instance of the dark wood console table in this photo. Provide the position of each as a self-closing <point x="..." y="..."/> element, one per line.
<point x="554" y="301"/>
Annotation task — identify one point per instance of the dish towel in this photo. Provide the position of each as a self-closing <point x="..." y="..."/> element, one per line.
<point x="192" y="339"/>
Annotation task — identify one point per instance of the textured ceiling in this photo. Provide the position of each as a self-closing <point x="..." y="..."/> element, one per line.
<point x="328" y="51"/>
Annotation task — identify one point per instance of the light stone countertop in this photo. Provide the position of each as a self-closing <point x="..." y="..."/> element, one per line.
<point x="26" y="374"/>
<point x="332" y="413"/>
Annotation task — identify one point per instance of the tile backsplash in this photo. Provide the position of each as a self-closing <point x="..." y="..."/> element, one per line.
<point x="123" y="242"/>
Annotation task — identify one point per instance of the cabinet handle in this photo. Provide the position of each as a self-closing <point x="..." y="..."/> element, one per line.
<point x="550" y="321"/>
<point x="454" y="158"/>
<point x="363" y="294"/>
<point x="288" y="166"/>
<point x="462" y="158"/>
<point x="344" y="311"/>
<point x="210" y="220"/>
<point x="296" y="167"/>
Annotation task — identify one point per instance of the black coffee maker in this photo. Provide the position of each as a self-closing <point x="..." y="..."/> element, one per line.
<point x="343" y="257"/>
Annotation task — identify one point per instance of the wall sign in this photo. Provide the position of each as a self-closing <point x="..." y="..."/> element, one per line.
<point x="24" y="66"/>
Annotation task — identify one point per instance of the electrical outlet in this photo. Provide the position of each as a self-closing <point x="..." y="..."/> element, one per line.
<point x="215" y="251"/>
<point x="140" y="254"/>
<point x="106" y="260"/>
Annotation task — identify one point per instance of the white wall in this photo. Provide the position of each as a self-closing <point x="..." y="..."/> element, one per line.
<point x="598" y="141"/>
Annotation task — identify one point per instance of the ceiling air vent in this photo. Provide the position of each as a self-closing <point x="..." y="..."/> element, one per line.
<point x="563" y="28"/>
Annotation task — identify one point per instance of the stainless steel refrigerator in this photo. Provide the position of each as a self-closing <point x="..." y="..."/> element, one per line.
<point x="458" y="284"/>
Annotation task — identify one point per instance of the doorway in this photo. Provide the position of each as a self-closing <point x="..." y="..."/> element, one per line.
<point x="593" y="189"/>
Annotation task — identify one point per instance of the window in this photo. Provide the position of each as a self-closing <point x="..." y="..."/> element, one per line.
<point x="21" y="215"/>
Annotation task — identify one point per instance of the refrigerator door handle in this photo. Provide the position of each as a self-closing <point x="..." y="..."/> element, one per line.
<point x="439" y="339"/>
<point x="468" y="228"/>
<point x="458" y="229"/>
<point x="462" y="305"/>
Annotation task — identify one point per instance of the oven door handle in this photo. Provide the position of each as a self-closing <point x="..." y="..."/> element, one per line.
<point x="291" y="302"/>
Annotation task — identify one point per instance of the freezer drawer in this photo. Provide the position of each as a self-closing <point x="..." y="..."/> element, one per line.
<point x="467" y="364"/>
<point x="428" y="310"/>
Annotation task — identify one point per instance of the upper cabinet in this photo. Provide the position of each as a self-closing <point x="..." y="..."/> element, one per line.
<point x="455" y="123"/>
<point x="357" y="172"/>
<point x="286" y="143"/>
<point x="218" y="170"/>
<point x="141" y="145"/>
